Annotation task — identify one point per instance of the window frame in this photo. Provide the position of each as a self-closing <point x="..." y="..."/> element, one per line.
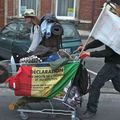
<point x="66" y="17"/>
<point x="19" y="12"/>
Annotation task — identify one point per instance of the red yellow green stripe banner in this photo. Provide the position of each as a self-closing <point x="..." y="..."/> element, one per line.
<point x="42" y="81"/>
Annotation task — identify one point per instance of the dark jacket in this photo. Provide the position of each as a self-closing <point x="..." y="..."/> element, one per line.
<point x="109" y="55"/>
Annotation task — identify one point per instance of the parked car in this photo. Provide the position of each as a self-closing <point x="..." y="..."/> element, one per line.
<point x="15" y="37"/>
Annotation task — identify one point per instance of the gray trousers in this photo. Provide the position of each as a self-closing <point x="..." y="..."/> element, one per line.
<point x="107" y="72"/>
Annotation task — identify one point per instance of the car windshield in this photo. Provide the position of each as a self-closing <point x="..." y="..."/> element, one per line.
<point x="10" y="29"/>
<point x="69" y="31"/>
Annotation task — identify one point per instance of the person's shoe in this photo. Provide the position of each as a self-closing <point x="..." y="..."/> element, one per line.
<point x="87" y="115"/>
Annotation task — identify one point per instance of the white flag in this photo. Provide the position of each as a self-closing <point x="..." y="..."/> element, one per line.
<point x="107" y="30"/>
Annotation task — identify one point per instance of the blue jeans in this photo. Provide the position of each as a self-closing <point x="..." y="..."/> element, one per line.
<point x="107" y="72"/>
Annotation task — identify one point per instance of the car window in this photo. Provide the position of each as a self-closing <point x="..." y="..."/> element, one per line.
<point x="24" y="28"/>
<point x="69" y="31"/>
<point x="10" y="29"/>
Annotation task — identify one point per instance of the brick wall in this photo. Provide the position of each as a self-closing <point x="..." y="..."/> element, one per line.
<point x="1" y="13"/>
<point x="85" y="9"/>
<point x="98" y="8"/>
<point x="10" y="7"/>
<point x="45" y="6"/>
<point x="89" y="9"/>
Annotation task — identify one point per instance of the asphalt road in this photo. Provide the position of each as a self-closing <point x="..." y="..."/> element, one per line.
<point x="5" y="114"/>
<point x="108" y="108"/>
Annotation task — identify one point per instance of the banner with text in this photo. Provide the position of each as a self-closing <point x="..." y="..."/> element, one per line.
<point x="42" y="81"/>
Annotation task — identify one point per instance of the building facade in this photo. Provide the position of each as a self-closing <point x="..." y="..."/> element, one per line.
<point x="84" y="11"/>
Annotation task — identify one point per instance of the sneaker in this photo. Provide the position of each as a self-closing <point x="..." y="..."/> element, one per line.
<point x="87" y="115"/>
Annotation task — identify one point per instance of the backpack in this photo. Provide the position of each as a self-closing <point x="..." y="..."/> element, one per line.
<point x="52" y="44"/>
<point x="82" y="80"/>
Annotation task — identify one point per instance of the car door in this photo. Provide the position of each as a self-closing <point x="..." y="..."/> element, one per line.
<point x="71" y="38"/>
<point x="7" y="36"/>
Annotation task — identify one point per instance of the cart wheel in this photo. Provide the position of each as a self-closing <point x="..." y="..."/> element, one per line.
<point x="24" y="116"/>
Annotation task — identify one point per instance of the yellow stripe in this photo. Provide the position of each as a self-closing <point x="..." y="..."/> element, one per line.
<point x="43" y="79"/>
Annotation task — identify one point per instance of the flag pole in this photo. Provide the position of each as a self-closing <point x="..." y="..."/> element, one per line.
<point x="103" y="9"/>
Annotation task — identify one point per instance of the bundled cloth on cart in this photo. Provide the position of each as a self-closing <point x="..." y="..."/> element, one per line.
<point x="42" y="81"/>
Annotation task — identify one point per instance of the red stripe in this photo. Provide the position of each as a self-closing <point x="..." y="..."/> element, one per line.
<point x="24" y="79"/>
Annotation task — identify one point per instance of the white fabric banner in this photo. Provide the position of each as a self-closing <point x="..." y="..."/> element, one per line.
<point x="107" y="30"/>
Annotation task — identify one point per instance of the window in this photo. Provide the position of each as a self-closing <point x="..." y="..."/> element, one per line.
<point x="65" y="9"/>
<point x="69" y="31"/>
<point x="27" y="4"/>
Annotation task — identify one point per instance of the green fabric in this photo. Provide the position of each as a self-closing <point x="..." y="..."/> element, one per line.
<point x="58" y="63"/>
<point x="69" y="73"/>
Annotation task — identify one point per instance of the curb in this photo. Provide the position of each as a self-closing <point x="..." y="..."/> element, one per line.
<point x="84" y="34"/>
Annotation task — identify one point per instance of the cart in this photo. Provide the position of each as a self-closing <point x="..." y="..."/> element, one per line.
<point x="38" y="83"/>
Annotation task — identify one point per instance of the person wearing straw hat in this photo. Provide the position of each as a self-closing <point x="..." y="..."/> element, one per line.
<point x="35" y="36"/>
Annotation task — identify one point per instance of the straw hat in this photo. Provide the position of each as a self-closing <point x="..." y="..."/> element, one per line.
<point x="29" y="13"/>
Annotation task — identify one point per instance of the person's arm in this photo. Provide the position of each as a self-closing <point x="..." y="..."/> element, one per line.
<point x="103" y="53"/>
<point x="93" y="44"/>
<point x="36" y="39"/>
